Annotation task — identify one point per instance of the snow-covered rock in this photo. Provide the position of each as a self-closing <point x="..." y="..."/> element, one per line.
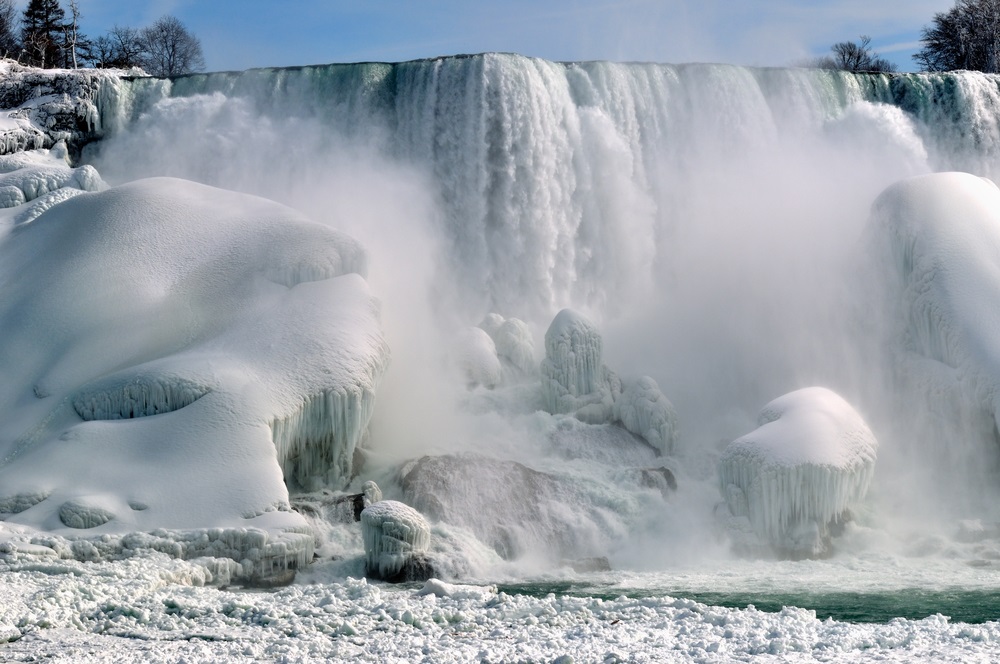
<point x="810" y="461"/>
<point x="574" y="378"/>
<point x="643" y="410"/>
<point x="396" y="540"/>
<point x="172" y="354"/>
<point x="42" y="107"/>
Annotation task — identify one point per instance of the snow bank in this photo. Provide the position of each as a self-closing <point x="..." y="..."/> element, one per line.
<point x="810" y="461"/>
<point x="396" y="537"/>
<point x="172" y="352"/>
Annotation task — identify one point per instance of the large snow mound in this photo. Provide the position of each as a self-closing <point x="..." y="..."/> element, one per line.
<point x="811" y="459"/>
<point x="172" y="353"/>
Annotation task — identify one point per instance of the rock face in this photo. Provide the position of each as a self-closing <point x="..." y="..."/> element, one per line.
<point x="810" y="461"/>
<point x="44" y="107"/>
<point x="396" y="540"/>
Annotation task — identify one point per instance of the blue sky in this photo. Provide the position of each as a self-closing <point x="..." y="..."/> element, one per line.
<point x="239" y="34"/>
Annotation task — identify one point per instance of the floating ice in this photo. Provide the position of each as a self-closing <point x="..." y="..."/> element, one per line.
<point x="810" y="461"/>
<point x="574" y="378"/>
<point x="396" y="537"/>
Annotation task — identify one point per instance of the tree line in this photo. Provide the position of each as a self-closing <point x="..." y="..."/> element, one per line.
<point x="46" y="34"/>
<point x="967" y="36"/>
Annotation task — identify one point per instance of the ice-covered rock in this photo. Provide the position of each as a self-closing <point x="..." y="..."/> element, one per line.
<point x="477" y="358"/>
<point x="574" y="378"/>
<point x="200" y="347"/>
<point x="643" y="410"/>
<point x="396" y="540"/>
<point x="808" y="463"/>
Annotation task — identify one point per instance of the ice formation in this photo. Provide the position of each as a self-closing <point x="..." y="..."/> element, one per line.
<point x="513" y="342"/>
<point x="477" y="358"/>
<point x="574" y="378"/>
<point x="198" y="346"/>
<point x="396" y="538"/>
<point x="643" y="410"/>
<point x="811" y="459"/>
<point x="938" y="235"/>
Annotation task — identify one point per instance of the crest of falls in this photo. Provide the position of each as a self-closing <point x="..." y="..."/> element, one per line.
<point x="558" y="184"/>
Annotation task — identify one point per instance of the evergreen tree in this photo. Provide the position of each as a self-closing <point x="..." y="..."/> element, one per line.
<point x="42" y="33"/>
<point x="10" y="45"/>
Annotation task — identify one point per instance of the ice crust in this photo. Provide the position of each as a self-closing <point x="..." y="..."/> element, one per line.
<point x="394" y="533"/>
<point x="811" y="459"/>
<point x="200" y="346"/>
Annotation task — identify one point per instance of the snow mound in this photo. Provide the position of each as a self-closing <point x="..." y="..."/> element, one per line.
<point x="808" y="463"/>
<point x="395" y="536"/>
<point x="574" y="378"/>
<point x="643" y="410"/>
<point x="200" y="347"/>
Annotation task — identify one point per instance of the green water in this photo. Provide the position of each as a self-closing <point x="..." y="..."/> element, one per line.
<point x="961" y="605"/>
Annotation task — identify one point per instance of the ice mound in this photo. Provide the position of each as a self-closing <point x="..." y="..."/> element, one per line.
<point x="574" y="378"/>
<point x="808" y="463"/>
<point x="396" y="540"/>
<point x="172" y="353"/>
<point x="937" y="239"/>
<point x="643" y="410"/>
<point x="477" y="358"/>
<point x="512" y="339"/>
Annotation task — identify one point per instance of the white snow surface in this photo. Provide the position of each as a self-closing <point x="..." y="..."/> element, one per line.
<point x="152" y="608"/>
<point x="171" y="350"/>
<point x="811" y="458"/>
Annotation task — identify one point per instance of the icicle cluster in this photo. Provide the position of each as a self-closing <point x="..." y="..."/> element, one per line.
<point x="316" y="444"/>
<point x="393" y="534"/>
<point x="811" y="459"/>
<point x="574" y="378"/>
<point x="136" y="396"/>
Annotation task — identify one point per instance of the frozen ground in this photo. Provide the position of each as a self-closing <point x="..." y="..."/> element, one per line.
<point x="150" y="608"/>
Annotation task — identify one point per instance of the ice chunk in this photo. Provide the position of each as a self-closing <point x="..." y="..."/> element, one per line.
<point x="574" y="378"/>
<point x="396" y="536"/>
<point x="809" y="462"/>
<point x="643" y="410"/>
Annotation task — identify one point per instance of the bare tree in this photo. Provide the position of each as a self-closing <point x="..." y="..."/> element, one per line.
<point x="123" y="47"/>
<point x="967" y="36"/>
<point x="170" y="49"/>
<point x="70" y="31"/>
<point x="855" y="56"/>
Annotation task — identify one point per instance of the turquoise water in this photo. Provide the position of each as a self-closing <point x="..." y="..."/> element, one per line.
<point x="959" y="604"/>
